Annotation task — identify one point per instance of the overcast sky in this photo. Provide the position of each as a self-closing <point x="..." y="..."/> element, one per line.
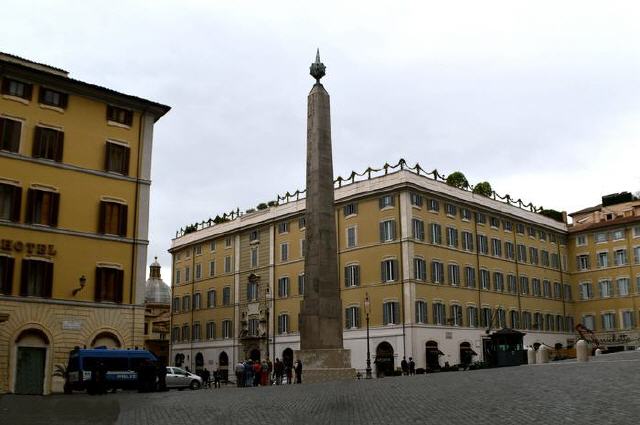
<point x="540" y="98"/>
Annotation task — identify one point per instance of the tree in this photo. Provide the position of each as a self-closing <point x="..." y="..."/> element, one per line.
<point x="483" y="188"/>
<point x="457" y="179"/>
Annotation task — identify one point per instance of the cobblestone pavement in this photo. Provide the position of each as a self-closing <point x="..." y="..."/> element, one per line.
<point x="603" y="391"/>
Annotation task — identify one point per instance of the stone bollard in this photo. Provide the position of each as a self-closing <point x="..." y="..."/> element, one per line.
<point x="531" y="356"/>
<point x="598" y="352"/>
<point x="542" y="354"/>
<point x="582" y="351"/>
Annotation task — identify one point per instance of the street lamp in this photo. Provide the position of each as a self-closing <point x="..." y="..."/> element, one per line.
<point x="367" y="309"/>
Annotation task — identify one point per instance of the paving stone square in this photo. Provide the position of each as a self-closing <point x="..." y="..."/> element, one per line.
<point x="603" y="391"/>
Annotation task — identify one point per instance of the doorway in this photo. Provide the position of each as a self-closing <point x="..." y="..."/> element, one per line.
<point x="255" y="354"/>
<point x="384" y="360"/>
<point x="223" y="366"/>
<point x="30" y="370"/>
<point x="433" y="355"/>
<point x="287" y="357"/>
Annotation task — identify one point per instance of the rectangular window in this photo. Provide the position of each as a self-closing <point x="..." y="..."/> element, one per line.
<point x="303" y="247"/>
<point x="481" y="218"/>
<point x="391" y="313"/>
<point x="617" y="235"/>
<point x="198" y="271"/>
<point x="581" y="240"/>
<point x="586" y="292"/>
<point x="113" y="218"/>
<point x="605" y="288"/>
<point x="352" y="317"/>
<point x="456" y="315"/>
<point x="555" y="261"/>
<point x="451" y="209"/>
<point x="186" y="303"/>
<point x="454" y="275"/>
<point x="483" y="247"/>
<point x="228" y="242"/>
<point x="434" y="205"/>
<point x="187" y="274"/>
<point x="600" y="237"/>
<point x="185" y="333"/>
<point x="227" y="264"/>
<point x="389" y="270"/>
<point x="437" y="272"/>
<point x="452" y="237"/>
<point x="524" y="285"/>
<point x="37" y="278"/>
<point x="212" y="246"/>
<point x="119" y="115"/>
<point x="253" y="327"/>
<point x="439" y="314"/>
<point x="254" y="236"/>
<point x="198" y="249"/>
<point x="495" y="222"/>
<point x="498" y="281"/>
<point x="436" y="233"/>
<point x="546" y="288"/>
<point x="386" y="201"/>
<point x="10" y="199"/>
<point x="520" y="228"/>
<point x="467" y="241"/>
<point x="628" y="320"/>
<point x="350" y="209"/>
<point x="10" y="134"/>
<point x="507" y="225"/>
<point x="608" y="321"/>
<point x="212" y="268"/>
<point x="582" y="262"/>
<point x="533" y="255"/>
<point x="211" y="298"/>
<point x="177" y="277"/>
<point x="526" y="320"/>
<point x="352" y="275"/>
<point x="6" y="274"/>
<point x="636" y="253"/>
<point x="301" y="284"/>
<point x="620" y="257"/>
<point x="283" y="287"/>
<point x="283" y="324"/>
<point x="536" y="289"/>
<point x="472" y="317"/>
<point x="496" y="247"/>
<point x="252" y="291"/>
<point x="623" y="286"/>
<point x="522" y="253"/>
<point x="283" y="227"/>
<point x="421" y="312"/>
<point x="603" y="259"/>
<point x="42" y="207"/>
<point x="544" y="258"/>
<point x="175" y="334"/>
<point x="51" y="97"/>
<point x="465" y="214"/>
<point x="226" y="296"/>
<point x="511" y="284"/>
<point x="485" y="317"/>
<point x="196" y="301"/>
<point x="284" y="252"/>
<point x="470" y="277"/>
<point x="542" y="235"/>
<point x="109" y="284"/>
<point x="17" y="88"/>
<point x="117" y="158"/>
<point x="48" y="144"/>
<point x="420" y="269"/>
<point x="485" y="279"/>
<point x="211" y="330"/>
<point x="387" y="230"/>
<point x="509" y="251"/>
<point x="418" y="229"/>
<point x="557" y="290"/>
<point x="567" y="292"/>
<point x="531" y="231"/>
<point x="416" y="199"/>
<point x="351" y="237"/>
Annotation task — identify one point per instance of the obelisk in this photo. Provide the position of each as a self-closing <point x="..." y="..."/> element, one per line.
<point x="321" y="348"/>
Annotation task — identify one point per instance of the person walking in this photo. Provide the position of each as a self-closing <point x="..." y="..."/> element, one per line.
<point x="206" y="378"/>
<point x="248" y="373"/>
<point x="240" y="374"/>
<point x="412" y="366"/>
<point x="298" y="371"/>
<point x="289" y="373"/>
<point x="278" y="369"/>
<point x="217" y="376"/>
<point x="404" y="365"/>
<point x="264" y="374"/>
<point x="257" y="373"/>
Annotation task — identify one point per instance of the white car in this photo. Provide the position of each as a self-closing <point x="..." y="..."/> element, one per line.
<point x="180" y="378"/>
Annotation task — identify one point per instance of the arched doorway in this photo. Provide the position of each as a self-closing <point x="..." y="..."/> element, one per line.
<point x="179" y="359"/>
<point x="466" y="354"/>
<point x="255" y="354"/>
<point x="287" y="357"/>
<point x="223" y="366"/>
<point x="384" y="359"/>
<point x="433" y="355"/>
<point x="199" y="362"/>
<point x="105" y="339"/>
<point x="31" y="359"/>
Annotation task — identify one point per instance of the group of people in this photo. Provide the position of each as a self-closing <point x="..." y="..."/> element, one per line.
<point x="209" y="378"/>
<point x="408" y="367"/>
<point x="253" y="373"/>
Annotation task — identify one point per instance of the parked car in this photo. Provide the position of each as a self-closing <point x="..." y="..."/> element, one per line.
<point x="180" y="378"/>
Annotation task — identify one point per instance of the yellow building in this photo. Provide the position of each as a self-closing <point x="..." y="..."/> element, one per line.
<point x="604" y="242"/>
<point x="441" y="266"/>
<point x="75" y="162"/>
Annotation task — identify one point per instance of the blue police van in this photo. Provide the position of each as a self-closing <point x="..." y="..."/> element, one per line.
<point x="121" y="367"/>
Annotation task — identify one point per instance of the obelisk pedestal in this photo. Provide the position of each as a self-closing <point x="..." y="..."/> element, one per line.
<point x="321" y="351"/>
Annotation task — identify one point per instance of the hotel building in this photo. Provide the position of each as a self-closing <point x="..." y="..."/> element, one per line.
<point x="75" y="161"/>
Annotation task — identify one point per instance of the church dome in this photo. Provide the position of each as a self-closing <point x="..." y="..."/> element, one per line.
<point x="156" y="291"/>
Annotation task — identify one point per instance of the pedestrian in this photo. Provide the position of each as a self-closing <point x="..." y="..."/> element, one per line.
<point x="162" y="377"/>
<point x="289" y="373"/>
<point x="264" y="374"/>
<point x="216" y="378"/>
<point x="412" y="366"/>
<point x="404" y="366"/>
<point x="206" y="378"/>
<point x="248" y="373"/>
<point x="278" y="370"/>
<point x="270" y="370"/>
<point x="298" y="371"/>
<point x="240" y="374"/>
<point x="257" y="372"/>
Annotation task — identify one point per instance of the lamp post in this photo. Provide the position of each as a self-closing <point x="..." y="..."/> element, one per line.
<point x="367" y="309"/>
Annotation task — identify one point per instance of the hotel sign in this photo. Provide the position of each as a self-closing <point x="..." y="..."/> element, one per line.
<point x="28" y="247"/>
